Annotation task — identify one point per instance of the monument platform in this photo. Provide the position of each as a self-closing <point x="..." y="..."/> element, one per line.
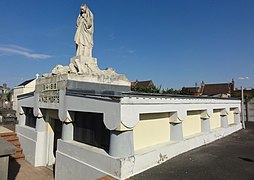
<point x="87" y="122"/>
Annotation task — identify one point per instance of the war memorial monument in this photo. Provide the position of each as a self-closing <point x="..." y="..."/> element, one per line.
<point x="89" y="124"/>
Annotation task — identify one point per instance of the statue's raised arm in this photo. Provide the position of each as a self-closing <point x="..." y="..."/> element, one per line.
<point x="84" y="34"/>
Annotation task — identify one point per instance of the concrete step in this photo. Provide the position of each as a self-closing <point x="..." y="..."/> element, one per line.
<point x="18" y="156"/>
<point x="19" y="150"/>
<point x="10" y="138"/>
<point x="15" y="143"/>
<point x="6" y="134"/>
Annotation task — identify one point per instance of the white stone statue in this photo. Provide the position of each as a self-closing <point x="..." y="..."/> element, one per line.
<point x="84" y="34"/>
<point x="83" y="67"/>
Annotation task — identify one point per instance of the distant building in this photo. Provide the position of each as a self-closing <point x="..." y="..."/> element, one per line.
<point x="23" y="88"/>
<point x="215" y="90"/>
<point x="144" y="87"/>
<point x="142" y="84"/>
<point x="221" y="90"/>
<point x="248" y="93"/>
<point x="248" y="102"/>
<point x="191" y="91"/>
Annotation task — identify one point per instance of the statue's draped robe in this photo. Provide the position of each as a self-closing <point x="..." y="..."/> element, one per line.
<point x="85" y="29"/>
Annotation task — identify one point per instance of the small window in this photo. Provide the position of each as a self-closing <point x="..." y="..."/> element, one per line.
<point x="30" y="118"/>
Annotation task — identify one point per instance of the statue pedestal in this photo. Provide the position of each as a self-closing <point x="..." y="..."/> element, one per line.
<point x="83" y="73"/>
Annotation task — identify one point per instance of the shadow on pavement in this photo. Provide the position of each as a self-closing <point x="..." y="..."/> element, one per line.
<point x="246" y="159"/>
<point x="14" y="167"/>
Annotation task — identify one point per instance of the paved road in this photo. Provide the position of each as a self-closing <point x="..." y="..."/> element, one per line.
<point x="229" y="158"/>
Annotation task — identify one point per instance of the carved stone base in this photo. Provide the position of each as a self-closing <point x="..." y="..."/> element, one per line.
<point x="82" y="68"/>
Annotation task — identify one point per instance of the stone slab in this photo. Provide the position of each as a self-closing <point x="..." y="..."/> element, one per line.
<point x="97" y="88"/>
<point x="6" y="148"/>
<point x="4" y="162"/>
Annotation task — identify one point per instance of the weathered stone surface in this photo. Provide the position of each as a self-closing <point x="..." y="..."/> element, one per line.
<point x="6" y="148"/>
<point x="86" y="69"/>
<point x="84" y="34"/>
<point x="59" y="69"/>
<point x="83" y="67"/>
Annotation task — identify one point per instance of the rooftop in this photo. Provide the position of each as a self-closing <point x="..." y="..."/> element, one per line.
<point x="26" y="82"/>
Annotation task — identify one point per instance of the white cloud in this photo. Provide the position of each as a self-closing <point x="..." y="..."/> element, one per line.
<point x="112" y="36"/>
<point x="17" y="50"/>
<point x="16" y="47"/>
<point x="244" y="78"/>
<point x="131" y="51"/>
<point x="121" y="51"/>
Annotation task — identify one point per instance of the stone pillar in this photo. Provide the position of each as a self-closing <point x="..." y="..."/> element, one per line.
<point x="67" y="132"/>
<point x="40" y="124"/>
<point x="121" y="143"/>
<point x="237" y="118"/>
<point x="4" y="163"/>
<point x="22" y="119"/>
<point x="6" y="149"/>
<point x="205" y="125"/>
<point x="224" y="121"/>
<point x="176" y="132"/>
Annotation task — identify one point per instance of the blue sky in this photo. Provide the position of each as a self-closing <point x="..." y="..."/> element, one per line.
<point x="173" y="42"/>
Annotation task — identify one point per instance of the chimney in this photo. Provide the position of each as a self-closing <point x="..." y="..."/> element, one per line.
<point x="202" y="87"/>
<point x="232" y="85"/>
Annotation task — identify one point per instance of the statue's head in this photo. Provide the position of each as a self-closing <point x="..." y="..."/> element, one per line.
<point x="83" y="7"/>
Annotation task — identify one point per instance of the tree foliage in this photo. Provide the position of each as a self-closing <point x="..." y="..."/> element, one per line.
<point x="158" y="90"/>
<point x="172" y="91"/>
<point x="152" y="89"/>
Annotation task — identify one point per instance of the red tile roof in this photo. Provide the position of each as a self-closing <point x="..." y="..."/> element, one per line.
<point x="214" y="89"/>
<point x="144" y="84"/>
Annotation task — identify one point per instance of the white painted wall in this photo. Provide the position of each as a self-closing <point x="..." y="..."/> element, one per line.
<point x="80" y="161"/>
<point x="30" y="87"/>
<point x="77" y="160"/>
<point x="132" y="107"/>
<point x="34" y="145"/>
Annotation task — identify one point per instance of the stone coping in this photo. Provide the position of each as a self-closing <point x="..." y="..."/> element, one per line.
<point x="140" y="94"/>
<point x="78" y="92"/>
<point x="130" y="94"/>
<point x="6" y="148"/>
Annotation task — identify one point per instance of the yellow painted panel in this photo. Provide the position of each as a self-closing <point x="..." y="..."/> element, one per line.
<point x="215" y="119"/>
<point x="152" y="129"/>
<point x="231" y="117"/>
<point x="192" y="124"/>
